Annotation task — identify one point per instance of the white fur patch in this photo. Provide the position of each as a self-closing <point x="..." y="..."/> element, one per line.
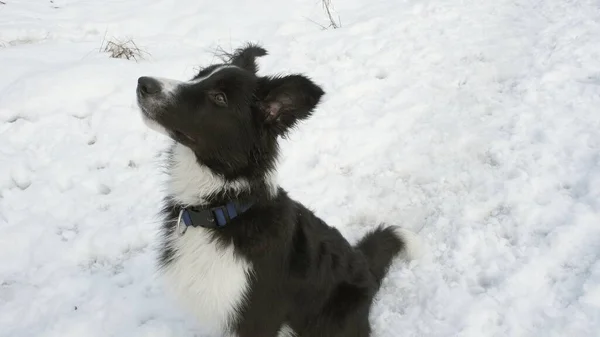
<point x="190" y="182"/>
<point x="286" y="331"/>
<point x="168" y="86"/>
<point x="271" y="182"/>
<point x="216" y="70"/>
<point x="413" y="245"/>
<point x="209" y="279"/>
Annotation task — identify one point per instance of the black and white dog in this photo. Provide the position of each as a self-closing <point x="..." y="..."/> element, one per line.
<point x="247" y="259"/>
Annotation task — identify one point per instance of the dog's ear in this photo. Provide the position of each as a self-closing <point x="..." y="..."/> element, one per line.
<point x="246" y="57"/>
<point x="286" y="100"/>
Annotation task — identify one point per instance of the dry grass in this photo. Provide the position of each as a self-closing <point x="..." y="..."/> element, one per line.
<point x="328" y="8"/>
<point x="333" y="22"/>
<point x="126" y="49"/>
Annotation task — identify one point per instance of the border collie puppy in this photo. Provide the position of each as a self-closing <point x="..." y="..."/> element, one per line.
<point x="247" y="259"/>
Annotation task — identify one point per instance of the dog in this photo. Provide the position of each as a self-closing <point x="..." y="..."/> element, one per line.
<point x="245" y="258"/>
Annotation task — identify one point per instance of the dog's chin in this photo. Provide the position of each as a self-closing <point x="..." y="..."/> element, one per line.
<point x="177" y="136"/>
<point x="154" y="125"/>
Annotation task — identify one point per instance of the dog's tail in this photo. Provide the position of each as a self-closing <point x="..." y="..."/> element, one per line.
<point x="383" y="244"/>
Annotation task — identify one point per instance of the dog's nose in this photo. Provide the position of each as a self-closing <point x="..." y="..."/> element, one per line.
<point x="148" y="85"/>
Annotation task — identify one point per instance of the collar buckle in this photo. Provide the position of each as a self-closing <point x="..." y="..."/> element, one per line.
<point x="180" y="229"/>
<point x="213" y="217"/>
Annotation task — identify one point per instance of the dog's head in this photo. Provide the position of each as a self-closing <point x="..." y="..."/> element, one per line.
<point x="227" y="114"/>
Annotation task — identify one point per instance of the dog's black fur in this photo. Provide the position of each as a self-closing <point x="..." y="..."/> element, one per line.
<point x="305" y="274"/>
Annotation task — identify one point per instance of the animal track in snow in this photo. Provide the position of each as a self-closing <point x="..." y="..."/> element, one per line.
<point x="103" y="189"/>
<point x="15" y="118"/>
<point x="381" y="74"/>
<point x="21" y="178"/>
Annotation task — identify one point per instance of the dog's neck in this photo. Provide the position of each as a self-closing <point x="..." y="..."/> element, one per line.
<point x="193" y="184"/>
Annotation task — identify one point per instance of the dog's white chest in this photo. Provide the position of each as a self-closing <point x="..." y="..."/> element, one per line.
<point x="208" y="277"/>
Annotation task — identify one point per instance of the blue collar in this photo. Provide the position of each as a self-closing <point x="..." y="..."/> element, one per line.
<point x="211" y="217"/>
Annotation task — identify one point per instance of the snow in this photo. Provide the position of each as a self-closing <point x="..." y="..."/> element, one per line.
<point x="474" y="123"/>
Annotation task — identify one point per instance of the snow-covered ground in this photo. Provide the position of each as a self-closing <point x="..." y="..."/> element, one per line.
<point x="476" y="123"/>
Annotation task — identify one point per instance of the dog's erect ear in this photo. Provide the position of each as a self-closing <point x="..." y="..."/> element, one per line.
<point x="286" y="100"/>
<point x="246" y="57"/>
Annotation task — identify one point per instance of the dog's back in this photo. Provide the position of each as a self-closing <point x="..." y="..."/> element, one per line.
<point x="333" y="284"/>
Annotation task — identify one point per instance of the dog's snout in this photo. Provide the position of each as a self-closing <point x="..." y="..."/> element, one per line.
<point x="148" y="86"/>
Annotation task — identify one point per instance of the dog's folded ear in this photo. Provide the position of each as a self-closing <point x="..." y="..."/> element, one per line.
<point x="286" y="100"/>
<point x="246" y="57"/>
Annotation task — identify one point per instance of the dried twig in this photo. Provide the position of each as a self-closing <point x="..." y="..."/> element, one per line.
<point x="316" y="23"/>
<point x="127" y="49"/>
<point x="327" y="6"/>
<point x="333" y="23"/>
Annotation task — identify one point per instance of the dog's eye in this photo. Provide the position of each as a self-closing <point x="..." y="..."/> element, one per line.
<point x="219" y="98"/>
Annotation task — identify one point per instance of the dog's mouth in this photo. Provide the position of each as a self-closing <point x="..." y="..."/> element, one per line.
<point x="183" y="136"/>
<point x="175" y="133"/>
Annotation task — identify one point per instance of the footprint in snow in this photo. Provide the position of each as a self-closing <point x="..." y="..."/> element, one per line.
<point x="381" y="74"/>
<point x="21" y="178"/>
<point x="14" y="119"/>
<point x="103" y="189"/>
<point x="10" y="116"/>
